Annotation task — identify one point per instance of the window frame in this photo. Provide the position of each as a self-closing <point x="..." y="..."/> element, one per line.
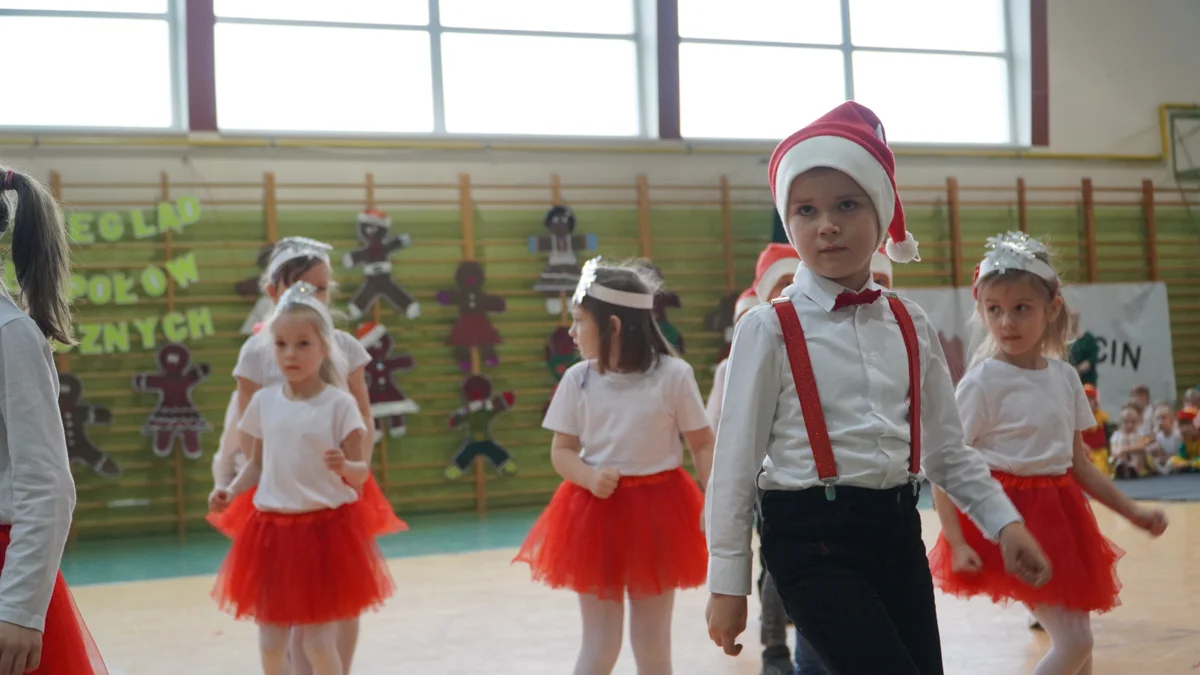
<point x="1017" y="134"/>
<point x="177" y="40"/>
<point x="436" y="30"/>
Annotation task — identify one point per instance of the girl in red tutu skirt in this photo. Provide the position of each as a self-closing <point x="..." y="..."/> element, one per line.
<point x="294" y="260"/>
<point x="41" y="631"/>
<point x="1024" y="409"/>
<point x="305" y="560"/>
<point x="626" y="520"/>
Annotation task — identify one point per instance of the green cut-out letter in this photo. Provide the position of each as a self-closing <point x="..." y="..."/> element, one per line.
<point x="154" y="282"/>
<point x="183" y="269"/>
<point x="116" y="337"/>
<point x="174" y="327"/>
<point x="111" y="226"/>
<point x="145" y="329"/>
<point x="79" y="227"/>
<point x="100" y="290"/>
<point x="141" y="229"/>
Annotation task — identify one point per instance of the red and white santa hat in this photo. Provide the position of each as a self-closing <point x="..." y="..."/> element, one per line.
<point x="373" y="217"/>
<point x="747" y="301"/>
<point x="881" y="264"/>
<point x="774" y="263"/>
<point x="849" y="138"/>
<point x="370" y="333"/>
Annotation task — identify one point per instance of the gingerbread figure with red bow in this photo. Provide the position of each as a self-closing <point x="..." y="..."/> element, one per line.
<point x="176" y="415"/>
<point x="375" y="258"/>
<point x="473" y="329"/>
<point x="388" y="403"/>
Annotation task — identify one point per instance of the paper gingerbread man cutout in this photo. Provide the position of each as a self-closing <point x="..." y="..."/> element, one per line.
<point x="473" y="329"/>
<point x="375" y="258"/>
<point x="662" y="300"/>
<point x="251" y="289"/>
<point x="560" y="354"/>
<point x="561" y="274"/>
<point x="176" y="415"/>
<point x="476" y="417"/>
<point x="388" y="403"/>
<point x="76" y="417"/>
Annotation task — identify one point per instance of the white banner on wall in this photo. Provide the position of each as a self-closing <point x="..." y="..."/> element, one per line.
<point x="1130" y="322"/>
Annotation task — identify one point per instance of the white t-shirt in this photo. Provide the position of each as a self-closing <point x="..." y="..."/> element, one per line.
<point x="295" y="436"/>
<point x="630" y="422"/>
<point x="717" y="396"/>
<point x="1024" y="421"/>
<point x="256" y="361"/>
<point x="1121" y="442"/>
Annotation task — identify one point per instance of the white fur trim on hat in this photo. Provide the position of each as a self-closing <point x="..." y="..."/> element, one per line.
<point x="785" y="267"/>
<point x="375" y="218"/>
<point x="372" y="336"/>
<point x="744" y="305"/>
<point x="843" y="154"/>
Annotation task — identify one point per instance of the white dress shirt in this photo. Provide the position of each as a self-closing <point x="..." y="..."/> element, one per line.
<point x="861" y="368"/>
<point x="715" y="397"/>
<point x="37" y="493"/>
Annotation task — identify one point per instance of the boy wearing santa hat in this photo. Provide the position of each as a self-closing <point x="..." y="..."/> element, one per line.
<point x="821" y="427"/>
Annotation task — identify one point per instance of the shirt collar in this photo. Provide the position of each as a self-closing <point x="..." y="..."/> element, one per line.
<point x="820" y="290"/>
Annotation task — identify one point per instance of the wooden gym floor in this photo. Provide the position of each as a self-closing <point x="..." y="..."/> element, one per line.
<point x="470" y="611"/>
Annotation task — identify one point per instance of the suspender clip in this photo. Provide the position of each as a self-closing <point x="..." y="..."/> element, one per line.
<point x="830" y="491"/>
<point x="916" y="484"/>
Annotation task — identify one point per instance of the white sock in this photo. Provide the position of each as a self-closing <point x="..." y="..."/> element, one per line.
<point x="603" y="625"/>
<point x="1070" y="641"/>
<point x="650" y="633"/>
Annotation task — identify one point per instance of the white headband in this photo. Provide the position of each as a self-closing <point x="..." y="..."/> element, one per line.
<point x="588" y="286"/>
<point x="304" y="293"/>
<point x="290" y="248"/>
<point x="1014" y="251"/>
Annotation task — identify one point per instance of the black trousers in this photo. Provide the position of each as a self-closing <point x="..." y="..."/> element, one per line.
<point x="854" y="577"/>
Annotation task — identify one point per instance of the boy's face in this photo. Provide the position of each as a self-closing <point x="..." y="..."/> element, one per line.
<point x="1141" y="397"/>
<point x="1129" y="421"/>
<point x="1166" y="421"/>
<point x="833" y="224"/>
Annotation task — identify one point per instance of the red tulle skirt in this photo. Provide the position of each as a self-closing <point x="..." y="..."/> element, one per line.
<point x="67" y="646"/>
<point x="1061" y="520"/>
<point x="376" y="510"/>
<point x="643" y="540"/>
<point x="305" y="568"/>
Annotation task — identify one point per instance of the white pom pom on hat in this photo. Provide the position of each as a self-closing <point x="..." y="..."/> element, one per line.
<point x="849" y="138"/>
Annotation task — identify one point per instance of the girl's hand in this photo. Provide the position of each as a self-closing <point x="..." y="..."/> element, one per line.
<point x="603" y="482"/>
<point x="1023" y="558"/>
<point x="1153" y="521"/>
<point x="218" y="500"/>
<point x="335" y="461"/>
<point x="964" y="560"/>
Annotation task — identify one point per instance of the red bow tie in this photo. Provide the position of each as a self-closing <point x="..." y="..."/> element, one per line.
<point x="848" y="299"/>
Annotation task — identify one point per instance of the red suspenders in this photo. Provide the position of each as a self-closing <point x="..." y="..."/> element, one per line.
<point x="810" y="399"/>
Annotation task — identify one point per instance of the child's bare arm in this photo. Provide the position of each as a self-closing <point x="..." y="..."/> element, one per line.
<point x="947" y="514"/>
<point x="700" y="443"/>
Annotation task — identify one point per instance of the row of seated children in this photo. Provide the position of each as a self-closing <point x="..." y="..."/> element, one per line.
<point x="1149" y="439"/>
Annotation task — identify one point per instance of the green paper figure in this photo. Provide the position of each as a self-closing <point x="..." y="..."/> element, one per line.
<point x="476" y="416"/>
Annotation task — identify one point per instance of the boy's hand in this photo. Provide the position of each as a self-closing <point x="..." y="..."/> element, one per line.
<point x="964" y="560"/>
<point x="603" y="482"/>
<point x="726" y="616"/>
<point x="1023" y="558"/>
<point x="218" y="500"/>
<point x="1153" y="521"/>
<point x="335" y="461"/>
